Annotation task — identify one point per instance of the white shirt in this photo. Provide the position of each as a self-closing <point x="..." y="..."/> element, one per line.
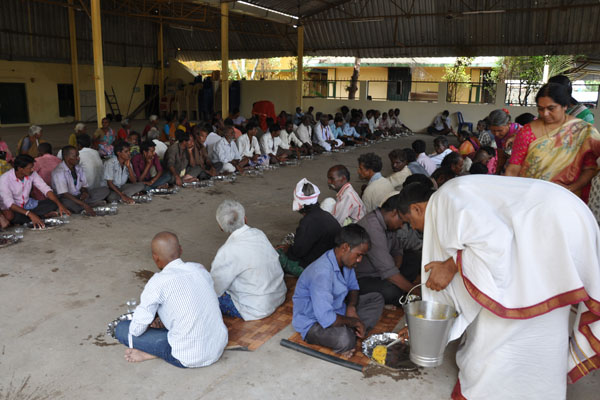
<point x="224" y="152"/>
<point x="288" y="139"/>
<point x="321" y="135"/>
<point x="427" y="163"/>
<point x="376" y="192"/>
<point x="269" y="144"/>
<point x="247" y="268"/>
<point x="212" y="139"/>
<point x="348" y="205"/>
<point x="183" y="296"/>
<point x="239" y="120"/>
<point x="304" y="133"/>
<point x="247" y="148"/>
<point x="160" y="149"/>
<point x="439" y="122"/>
<point x="438" y="158"/>
<point x="93" y="169"/>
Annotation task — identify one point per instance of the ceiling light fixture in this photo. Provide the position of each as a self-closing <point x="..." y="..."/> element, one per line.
<point x="267" y="9"/>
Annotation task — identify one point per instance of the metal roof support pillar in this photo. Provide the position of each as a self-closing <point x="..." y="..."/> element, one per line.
<point x="224" y="60"/>
<point x="161" y="60"/>
<point x="300" y="72"/>
<point x="98" y="62"/>
<point x="74" y="63"/>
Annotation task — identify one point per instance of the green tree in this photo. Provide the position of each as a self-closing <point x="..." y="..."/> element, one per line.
<point x="457" y="77"/>
<point x="529" y="72"/>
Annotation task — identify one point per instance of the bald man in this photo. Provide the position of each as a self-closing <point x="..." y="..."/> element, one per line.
<point x="178" y="318"/>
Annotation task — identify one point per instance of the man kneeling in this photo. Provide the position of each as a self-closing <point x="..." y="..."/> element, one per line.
<point x="327" y="308"/>
<point x="189" y="330"/>
<point x="246" y="270"/>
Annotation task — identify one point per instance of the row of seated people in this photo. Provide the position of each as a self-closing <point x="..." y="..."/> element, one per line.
<point x="332" y="304"/>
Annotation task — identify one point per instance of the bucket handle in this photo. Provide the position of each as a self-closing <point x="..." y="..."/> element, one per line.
<point x="404" y="299"/>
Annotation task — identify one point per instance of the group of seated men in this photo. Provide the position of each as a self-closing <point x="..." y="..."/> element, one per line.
<point x="108" y="168"/>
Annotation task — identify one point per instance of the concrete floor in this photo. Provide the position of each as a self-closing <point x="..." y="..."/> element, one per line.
<point x="59" y="289"/>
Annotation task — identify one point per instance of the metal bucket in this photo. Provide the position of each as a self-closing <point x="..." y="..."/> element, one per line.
<point x="428" y="326"/>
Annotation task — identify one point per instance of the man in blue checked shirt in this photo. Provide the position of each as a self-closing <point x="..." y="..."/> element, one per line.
<point x="327" y="308"/>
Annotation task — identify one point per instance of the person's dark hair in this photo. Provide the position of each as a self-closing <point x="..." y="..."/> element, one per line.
<point x="274" y="127"/>
<point x="251" y="125"/>
<point x="483" y="122"/>
<point x="412" y="193"/>
<point x="410" y="155"/>
<point x="354" y="235"/>
<point x="182" y="136"/>
<point x="524" y="118"/>
<point x="145" y="146"/>
<point x="562" y="80"/>
<point x="464" y="134"/>
<point x="45" y="148"/>
<point x="341" y="170"/>
<point x="338" y="119"/>
<point x="84" y="140"/>
<point x="121" y="145"/>
<point x="23" y="160"/>
<point x="289" y="123"/>
<point x="488" y="149"/>
<point x="204" y="128"/>
<point x="134" y="133"/>
<point x="310" y="109"/>
<point x="418" y="178"/>
<point x="558" y="93"/>
<point x="344" y="110"/>
<point x="228" y="122"/>
<point x="371" y="161"/>
<point x="451" y="159"/>
<point x="269" y="121"/>
<point x="478" y="169"/>
<point x="419" y="146"/>
<point x="440" y="140"/>
<point x="397" y="154"/>
<point x="67" y="150"/>
<point x="446" y="112"/>
<point x="443" y="174"/>
<point x="236" y="110"/>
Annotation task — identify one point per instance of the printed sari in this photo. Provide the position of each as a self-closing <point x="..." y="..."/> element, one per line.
<point x="563" y="154"/>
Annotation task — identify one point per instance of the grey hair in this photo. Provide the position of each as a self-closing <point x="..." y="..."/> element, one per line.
<point x="499" y="118"/>
<point x="153" y="117"/>
<point x="34" y="130"/>
<point x="153" y="134"/>
<point x="79" y="127"/>
<point x="230" y="215"/>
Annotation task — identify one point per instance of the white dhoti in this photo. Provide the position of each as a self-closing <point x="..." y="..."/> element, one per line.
<point x="526" y="249"/>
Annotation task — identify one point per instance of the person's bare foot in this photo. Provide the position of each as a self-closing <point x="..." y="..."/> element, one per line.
<point x="135" y="355"/>
<point x="348" y="353"/>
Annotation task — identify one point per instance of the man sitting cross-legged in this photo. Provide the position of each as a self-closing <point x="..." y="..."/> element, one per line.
<point x="15" y="186"/>
<point x="148" y="169"/>
<point x="315" y="233"/>
<point x="349" y="208"/>
<point x="328" y="310"/>
<point x="270" y="145"/>
<point x="70" y="184"/>
<point x="225" y="155"/>
<point x="378" y="188"/>
<point x="180" y="159"/>
<point x="246" y="271"/>
<point x="394" y="259"/>
<point x="117" y="171"/>
<point x="178" y="318"/>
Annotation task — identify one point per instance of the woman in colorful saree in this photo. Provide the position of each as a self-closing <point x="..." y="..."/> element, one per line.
<point x="575" y="108"/>
<point x="556" y="147"/>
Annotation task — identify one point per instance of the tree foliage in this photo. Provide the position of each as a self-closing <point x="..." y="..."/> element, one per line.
<point x="529" y="72"/>
<point x="457" y="77"/>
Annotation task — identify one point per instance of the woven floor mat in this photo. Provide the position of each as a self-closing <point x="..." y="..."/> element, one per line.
<point x="250" y="335"/>
<point x="388" y="321"/>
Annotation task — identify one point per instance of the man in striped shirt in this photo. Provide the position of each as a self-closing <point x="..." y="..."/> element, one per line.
<point x="178" y="318"/>
<point x="349" y="208"/>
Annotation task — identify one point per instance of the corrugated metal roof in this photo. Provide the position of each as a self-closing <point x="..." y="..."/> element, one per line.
<point x="31" y="30"/>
